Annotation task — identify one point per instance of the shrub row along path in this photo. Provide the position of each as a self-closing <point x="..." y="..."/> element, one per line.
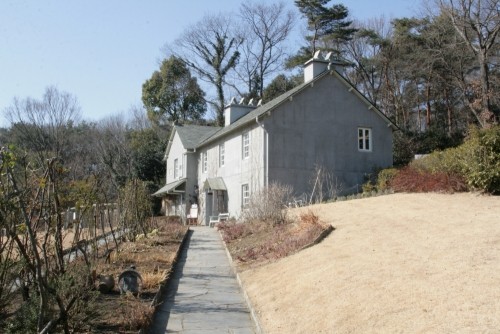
<point x="203" y="295"/>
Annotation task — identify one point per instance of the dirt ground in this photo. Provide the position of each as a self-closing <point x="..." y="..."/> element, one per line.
<point x="405" y="263"/>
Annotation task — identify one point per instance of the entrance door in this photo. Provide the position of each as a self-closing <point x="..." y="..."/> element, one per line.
<point x="209" y="201"/>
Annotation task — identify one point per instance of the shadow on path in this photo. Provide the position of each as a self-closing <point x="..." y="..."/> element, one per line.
<point x="203" y="295"/>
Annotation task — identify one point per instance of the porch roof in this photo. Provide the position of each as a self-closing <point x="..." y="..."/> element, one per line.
<point x="171" y="188"/>
<point x="214" y="183"/>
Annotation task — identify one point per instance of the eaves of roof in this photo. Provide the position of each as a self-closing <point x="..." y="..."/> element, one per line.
<point x="273" y="104"/>
<point x="190" y="135"/>
<point x="265" y="108"/>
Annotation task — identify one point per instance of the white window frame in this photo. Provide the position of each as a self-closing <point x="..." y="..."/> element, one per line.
<point x="176" y="169"/>
<point x="245" y="145"/>
<point x="222" y="153"/>
<point x="204" y="162"/>
<point x="245" y="195"/>
<point x="179" y="166"/>
<point x="365" y="142"/>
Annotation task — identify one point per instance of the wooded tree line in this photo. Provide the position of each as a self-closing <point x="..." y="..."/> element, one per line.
<point x="51" y="162"/>
<point x="433" y="75"/>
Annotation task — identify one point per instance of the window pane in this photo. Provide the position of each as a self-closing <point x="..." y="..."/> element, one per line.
<point x="245" y="194"/>
<point x="246" y="145"/>
<point x="221" y="155"/>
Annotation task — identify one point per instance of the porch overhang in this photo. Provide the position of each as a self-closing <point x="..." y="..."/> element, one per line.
<point x="173" y="188"/>
<point x="214" y="183"/>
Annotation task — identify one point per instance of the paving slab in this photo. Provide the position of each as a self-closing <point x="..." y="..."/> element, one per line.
<point x="203" y="295"/>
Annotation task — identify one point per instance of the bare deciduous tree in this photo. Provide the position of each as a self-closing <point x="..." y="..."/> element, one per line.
<point x="210" y="49"/>
<point x="478" y="24"/>
<point x="112" y="149"/>
<point x="43" y="125"/>
<point x="265" y="29"/>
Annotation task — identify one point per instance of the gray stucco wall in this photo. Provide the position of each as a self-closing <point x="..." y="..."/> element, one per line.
<point x="236" y="170"/>
<point x="189" y="169"/>
<point x="320" y="127"/>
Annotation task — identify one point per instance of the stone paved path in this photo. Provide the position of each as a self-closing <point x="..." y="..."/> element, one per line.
<point x="203" y="295"/>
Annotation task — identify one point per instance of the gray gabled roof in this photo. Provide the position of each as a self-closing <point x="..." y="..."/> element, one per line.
<point x="192" y="135"/>
<point x="258" y="112"/>
<point x="269" y="106"/>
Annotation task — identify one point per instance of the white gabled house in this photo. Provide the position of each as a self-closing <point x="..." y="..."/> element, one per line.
<point x="325" y="121"/>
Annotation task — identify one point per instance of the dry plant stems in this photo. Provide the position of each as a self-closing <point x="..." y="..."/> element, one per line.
<point x="30" y="211"/>
<point x="325" y="185"/>
<point x="135" y="208"/>
<point x="268" y="204"/>
<point x="136" y="316"/>
<point x="152" y="280"/>
<point x="256" y="241"/>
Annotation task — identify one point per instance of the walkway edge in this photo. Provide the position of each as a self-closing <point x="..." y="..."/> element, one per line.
<point x="255" y="318"/>
<point x="164" y="284"/>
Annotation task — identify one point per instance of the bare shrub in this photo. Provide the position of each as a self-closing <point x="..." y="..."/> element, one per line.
<point x="268" y="204"/>
<point x="309" y="217"/>
<point x="325" y="185"/>
<point x="136" y="316"/>
<point x="135" y="208"/>
<point x="410" y="179"/>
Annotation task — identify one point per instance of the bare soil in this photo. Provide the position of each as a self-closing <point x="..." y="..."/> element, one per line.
<point x="153" y="258"/>
<point x="406" y="263"/>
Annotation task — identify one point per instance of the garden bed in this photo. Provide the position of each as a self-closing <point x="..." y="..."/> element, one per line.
<point x="152" y="255"/>
<point x="257" y="242"/>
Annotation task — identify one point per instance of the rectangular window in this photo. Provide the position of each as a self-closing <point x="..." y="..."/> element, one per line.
<point x="245" y="145"/>
<point x="180" y="168"/>
<point x="364" y="139"/>
<point x="221" y="154"/>
<point x="245" y="195"/>
<point x="204" y="162"/>
<point x="176" y="169"/>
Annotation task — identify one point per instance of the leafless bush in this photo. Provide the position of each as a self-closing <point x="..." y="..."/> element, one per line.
<point x="135" y="208"/>
<point x="325" y="185"/>
<point x="56" y="293"/>
<point x="268" y="204"/>
<point x="136" y="317"/>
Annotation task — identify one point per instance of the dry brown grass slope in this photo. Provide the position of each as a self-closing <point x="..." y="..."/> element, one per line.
<point x="405" y="263"/>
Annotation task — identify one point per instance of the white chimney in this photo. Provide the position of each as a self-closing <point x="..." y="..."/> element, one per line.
<point x="234" y="110"/>
<point x="315" y="66"/>
<point x="319" y="64"/>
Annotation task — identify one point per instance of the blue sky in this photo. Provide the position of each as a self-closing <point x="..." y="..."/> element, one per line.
<point x="102" y="51"/>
